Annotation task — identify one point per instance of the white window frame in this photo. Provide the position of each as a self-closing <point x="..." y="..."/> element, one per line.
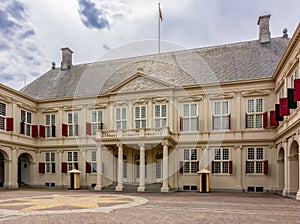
<point x="2" y="116"/>
<point x="189" y="117"/>
<point x="140" y="116"/>
<point x="221" y="119"/>
<point x="255" y="117"/>
<point x="73" y="123"/>
<point x="93" y="161"/>
<point x="255" y="160"/>
<point x="49" y="161"/>
<point x="49" y="122"/>
<point x="221" y="160"/>
<point x="96" y="120"/>
<point x="72" y="159"/>
<point x="190" y="161"/>
<point x="121" y="118"/>
<point x="26" y="117"/>
<point x="160" y="118"/>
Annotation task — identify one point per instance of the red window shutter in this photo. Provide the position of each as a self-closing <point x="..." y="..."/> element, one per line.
<point x="41" y="167"/>
<point x="273" y="121"/>
<point x="284" y="109"/>
<point x="291" y="103"/>
<point x="88" y="167"/>
<point x="42" y="131"/>
<point x="64" y="167"/>
<point x="64" y="129"/>
<point x="246" y="120"/>
<point x="213" y="166"/>
<point x="181" y="124"/>
<point x="9" y="124"/>
<point x="34" y="131"/>
<point x="297" y="90"/>
<point x="229" y="121"/>
<point x="88" y="128"/>
<point x="277" y="112"/>
<point x="265" y="119"/>
<point x="230" y="166"/>
<point x="266" y="167"/>
<point x="181" y="167"/>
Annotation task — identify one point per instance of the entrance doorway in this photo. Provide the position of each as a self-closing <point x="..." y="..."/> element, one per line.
<point x="280" y="173"/>
<point x="294" y="168"/>
<point x="24" y="169"/>
<point x="158" y="167"/>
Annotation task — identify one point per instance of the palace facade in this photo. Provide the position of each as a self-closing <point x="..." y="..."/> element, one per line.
<point x="231" y="111"/>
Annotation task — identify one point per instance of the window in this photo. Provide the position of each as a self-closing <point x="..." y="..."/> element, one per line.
<point x="97" y="121"/>
<point x="2" y="115"/>
<point x="190" y="163"/>
<point x="72" y="160"/>
<point x="255" y="162"/>
<point x="281" y="94"/>
<point x="93" y="161"/>
<point x="25" y="122"/>
<point x="160" y="113"/>
<point x="140" y="117"/>
<point x="190" y="117"/>
<point x="73" y="129"/>
<point x="254" y="117"/>
<point x="221" y="117"/>
<point x="121" y="118"/>
<point x="50" y="162"/>
<point x="221" y="163"/>
<point x="50" y="125"/>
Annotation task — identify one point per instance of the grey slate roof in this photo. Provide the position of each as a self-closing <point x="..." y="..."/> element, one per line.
<point x="217" y="64"/>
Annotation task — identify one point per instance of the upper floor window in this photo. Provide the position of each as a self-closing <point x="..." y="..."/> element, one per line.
<point x="72" y="160"/>
<point x="97" y="121"/>
<point x="93" y="161"/>
<point x="160" y="113"/>
<point x="221" y="116"/>
<point x="189" y="118"/>
<point x="26" y="122"/>
<point x="2" y="115"/>
<point x="190" y="163"/>
<point x="140" y="116"/>
<point x="121" y="118"/>
<point x="221" y="162"/>
<point x="73" y="129"/>
<point x="255" y="161"/>
<point x="50" y="162"/>
<point x="50" y="125"/>
<point x="254" y="116"/>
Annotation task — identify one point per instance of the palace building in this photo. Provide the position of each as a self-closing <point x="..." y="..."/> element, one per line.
<point x="154" y="121"/>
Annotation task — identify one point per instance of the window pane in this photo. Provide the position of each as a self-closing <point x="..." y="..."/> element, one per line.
<point x="193" y="109"/>
<point x="186" y="110"/>
<point x="76" y="117"/>
<point x="186" y="154"/>
<point x="75" y="156"/>
<point x="163" y="110"/>
<point x="193" y="154"/>
<point x="137" y="112"/>
<point x="251" y="106"/>
<point x="94" y="116"/>
<point x="70" y="120"/>
<point x="251" y="153"/>
<point x="52" y="118"/>
<point x="225" y="154"/>
<point x="48" y="119"/>
<point x="124" y="113"/>
<point x="143" y="112"/>
<point x="250" y="167"/>
<point x="157" y="123"/>
<point x="217" y="167"/>
<point x="217" y="154"/>
<point x="70" y="156"/>
<point x="217" y="108"/>
<point x="225" y="167"/>
<point x="186" y="124"/>
<point x="259" y="105"/>
<point x="118" y="114"/>
<point x="259" y="153"/>
<point x="99" y="116"/>
<point x="47" y="157"/>
<point x="217" y="123"/>
<point x="259" y="118"/>
<point x="3" y="109"/>
<point x="194" y="167"/>
<point x="259" y="166"/>
<point x="164" y="122"/>
<point x="2" y="123"/>
<point x="94" y="156"/>
<point x="250" y="121"/>
<point x="29" y="117"/>
<point x="23" y="115"/>
<point x="144" y="124"/>
<point x="225" y="107"/>
<point x="225" y="122"/>
<point x="186" y="167"/>
<point x="194" y="124"/>
<point x="52" y="157"/>
<point x="157" y="111"/>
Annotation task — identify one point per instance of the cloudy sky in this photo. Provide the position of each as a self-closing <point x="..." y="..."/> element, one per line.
<point x="33" y="31"/>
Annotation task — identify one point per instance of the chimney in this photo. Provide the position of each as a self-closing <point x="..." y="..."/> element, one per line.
<point x="264" y="29"/>
<point x="66" y="61"/>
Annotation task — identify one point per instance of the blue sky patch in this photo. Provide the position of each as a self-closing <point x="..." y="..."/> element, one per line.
<point x="91" y="16"/>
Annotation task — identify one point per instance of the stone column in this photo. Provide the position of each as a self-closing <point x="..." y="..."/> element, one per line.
<point x="142" y="168"/>
<point x="13" y="169"/>
<point x="285" y="191"/>
<point x="99" y="185"/>
<point x="165" y="187"/>
<point x="120" y="186"/>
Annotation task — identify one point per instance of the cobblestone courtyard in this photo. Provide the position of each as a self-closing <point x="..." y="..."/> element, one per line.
<point x="85" y="206"/>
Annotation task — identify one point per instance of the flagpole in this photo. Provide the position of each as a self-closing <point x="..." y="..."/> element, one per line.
<point x="159" y="28"/>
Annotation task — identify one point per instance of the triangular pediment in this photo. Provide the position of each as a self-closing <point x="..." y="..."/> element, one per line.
<point x="140" y="82"/>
